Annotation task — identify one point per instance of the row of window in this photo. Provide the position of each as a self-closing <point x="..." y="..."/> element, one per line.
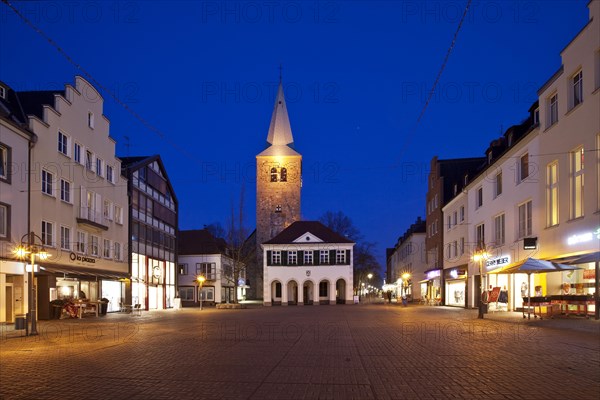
<point x="143" y="233"/>
<point x="524" y="226"/>
<point x="85" y="157"/>
<point x="207" y="270"/>
<point x="575" y="97"/>
<point x="457" y="217"/>
<point x="326" y="257"/>
<point x="85" y="243"/>
<point x="432" y="204"/>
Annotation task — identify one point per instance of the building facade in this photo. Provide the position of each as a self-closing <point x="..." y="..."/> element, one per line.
<point x="201" y="254"/>
<point x="78" y="197"/>
<point x="308" y="264"/>
<point x="278" y="186"/>
<point x="153" y="224"/>
<point x="407" y="263"/>
<point x="15" y="143"/>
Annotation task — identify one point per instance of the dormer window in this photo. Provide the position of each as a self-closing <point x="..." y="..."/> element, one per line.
<point x="536" y="116"/>
<point x="466" y="181"/>
<point x="490" y="157"/>
<point x="273" y="174"/>
<point x="2" y="92"/>
<point x="510" y="139"/>
<point x="455" y="189"/>
<point x="283" y="175"/>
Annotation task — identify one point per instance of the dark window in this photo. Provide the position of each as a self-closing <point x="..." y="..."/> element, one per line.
<point x="323" y="289"/>
<point x="277" y="289"/>
<point x="273" y="174"/>
<point x="283" y="175"/>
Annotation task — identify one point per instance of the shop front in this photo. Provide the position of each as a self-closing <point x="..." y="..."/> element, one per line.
<point x="433" y="287"/>
<point x="456" y="286"/>
<point x="13" y="290"/>
<point x="153" y="282"/>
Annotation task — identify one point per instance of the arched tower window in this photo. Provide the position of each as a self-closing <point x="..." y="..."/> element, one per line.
<point x="273" y="174"/>
<point x="283" y="175"/>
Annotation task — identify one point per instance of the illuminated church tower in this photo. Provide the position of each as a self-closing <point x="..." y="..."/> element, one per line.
<point x="278" y="181"/>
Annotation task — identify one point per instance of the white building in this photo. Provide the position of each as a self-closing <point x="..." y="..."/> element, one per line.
<point x="569" y="169"/>
<point x="78" y="197"/>
<point x="408" y="262"/>
<point x="310" y="256"/>
<point x="457" y="251"/>
<point x="201" y="254"/>
<point x="15" y="140"/>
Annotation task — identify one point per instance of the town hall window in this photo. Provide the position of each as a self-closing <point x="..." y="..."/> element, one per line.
<point x="283" y="175"/>
<point x="276" y="257"/>
<point x="324" y="257"/>
<point x="273" y="174"/>
<point x="292" y="257"/>
<point x="323" y="289"/>
<point x="308" y="257"/>
<point x="340" y="256"/>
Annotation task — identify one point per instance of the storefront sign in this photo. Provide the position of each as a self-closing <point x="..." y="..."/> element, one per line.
<point x="76" y="257"/>
<point x="433" y="274"/>
<point x="583" y="237"/>
<point x="497" y="262"/>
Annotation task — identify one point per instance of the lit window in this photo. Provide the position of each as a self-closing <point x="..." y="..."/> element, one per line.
<point x="480" y="235"/>
<point x="577" y="174"/>
<point x="552" y="194"/>
<point x="273" y="174"/>
<point x="283" y="175"/>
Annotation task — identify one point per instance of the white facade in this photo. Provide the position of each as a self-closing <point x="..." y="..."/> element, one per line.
<point x="78" y="198"/>
<point x="219" y="284"/>
<point x="570" y="168"/>
<point x="409" y="257"/>
<point x="308" y="272"/>
<point x="457" y="250"/>
<point x="14" y="148"/>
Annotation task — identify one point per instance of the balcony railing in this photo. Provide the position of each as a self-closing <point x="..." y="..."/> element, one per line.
<point x="92" y="217"/>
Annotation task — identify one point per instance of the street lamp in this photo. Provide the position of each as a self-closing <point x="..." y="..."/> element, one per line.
<point x="200" y="279"/>
<point x="33" y="250"/>
<point x="479" y="257"/>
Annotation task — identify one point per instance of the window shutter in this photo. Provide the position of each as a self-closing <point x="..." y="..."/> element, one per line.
<point x="332" y="259"/>
<point x="316" y="257"/>
<point x="347" y="257"/>
<point x="284" y="259"/>
<point x="300" y="257"/>
<point x="269" y="257"/>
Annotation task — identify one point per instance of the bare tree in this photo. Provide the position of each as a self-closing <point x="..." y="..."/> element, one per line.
<point x="364" y="259"/>
<point x="239" y="250"/>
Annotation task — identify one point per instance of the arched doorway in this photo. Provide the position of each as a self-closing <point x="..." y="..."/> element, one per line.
<point x="323" y="292"/>
<point x="292" y="293"/>
<point x="308" y="292"/>
<point x="276" y="293"/>
<point x="340" y="291"/>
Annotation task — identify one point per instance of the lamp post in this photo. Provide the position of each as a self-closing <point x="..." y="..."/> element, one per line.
<point x="200" y="279"/>
<point x="479" y="257"/>
<point x="33" y="250"/>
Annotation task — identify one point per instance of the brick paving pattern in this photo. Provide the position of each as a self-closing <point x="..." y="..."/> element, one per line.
<point x="329" y="352"/>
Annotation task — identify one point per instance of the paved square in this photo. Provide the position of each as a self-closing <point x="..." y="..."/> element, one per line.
<point x="325" y="352"/>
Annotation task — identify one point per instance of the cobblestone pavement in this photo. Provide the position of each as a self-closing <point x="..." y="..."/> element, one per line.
<point x="325" y="352"/>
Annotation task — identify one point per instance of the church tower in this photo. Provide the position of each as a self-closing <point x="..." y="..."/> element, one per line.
<point x="278" y="182"/>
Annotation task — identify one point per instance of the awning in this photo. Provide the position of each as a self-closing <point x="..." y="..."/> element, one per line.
<point x="85" y="272"/>
<point x="579" y="259"/>
<point x="532" y="266"/>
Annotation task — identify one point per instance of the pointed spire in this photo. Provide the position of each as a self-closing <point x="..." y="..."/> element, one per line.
<point x="280" y="131"/>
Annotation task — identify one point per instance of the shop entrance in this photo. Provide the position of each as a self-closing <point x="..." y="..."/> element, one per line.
<point x="9" y="303"/>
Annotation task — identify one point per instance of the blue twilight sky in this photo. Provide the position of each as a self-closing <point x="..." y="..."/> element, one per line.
<point x="356" y="75"/>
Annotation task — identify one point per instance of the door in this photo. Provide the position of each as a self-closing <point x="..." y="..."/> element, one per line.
<point x="305" y="294"/>
<point x="9" y="302"/>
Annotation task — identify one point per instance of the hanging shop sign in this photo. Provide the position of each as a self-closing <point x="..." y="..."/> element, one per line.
<point x="497" y="262"/>
<point x="433" y="274"/>
<point x="77" y="257"/>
